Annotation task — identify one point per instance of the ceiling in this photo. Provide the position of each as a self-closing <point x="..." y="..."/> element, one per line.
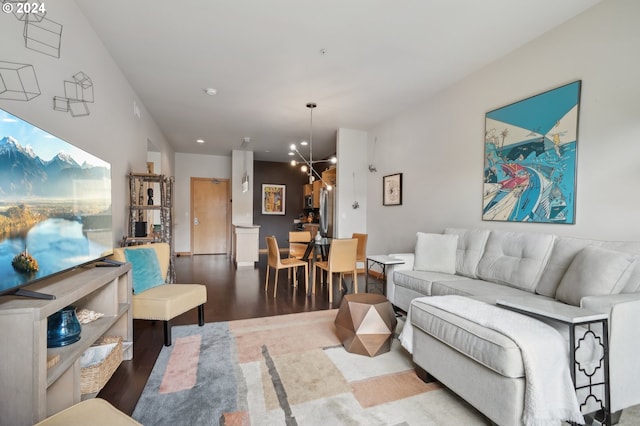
<point x="361" y="61"/>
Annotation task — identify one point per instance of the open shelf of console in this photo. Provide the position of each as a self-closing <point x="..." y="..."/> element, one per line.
<point x="33" y="390"/>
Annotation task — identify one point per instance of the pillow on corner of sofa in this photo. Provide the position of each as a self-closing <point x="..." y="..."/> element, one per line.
<point x="436" y="252"/>
<point x="145" y="268"/>
<point x="595" y="271"/>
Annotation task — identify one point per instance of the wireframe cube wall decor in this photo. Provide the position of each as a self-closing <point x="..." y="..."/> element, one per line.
<point x="18" y="82"/>
<point x="74" y="107"/>
<point x="83" y="80"/>
<point x="44" y="36"/>
<point x="80" y="89"/>
<point x="60" y="104"/>
<point x="77" y="94"/>
<point x="78" y="108"/>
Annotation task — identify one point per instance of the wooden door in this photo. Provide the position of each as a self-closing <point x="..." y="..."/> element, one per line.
<point x="210" y="216"/>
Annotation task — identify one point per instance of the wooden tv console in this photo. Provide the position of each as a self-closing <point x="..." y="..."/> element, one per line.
<point x="31" y="391"/>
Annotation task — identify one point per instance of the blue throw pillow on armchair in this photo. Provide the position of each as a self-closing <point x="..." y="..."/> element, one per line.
<point x="145" y="267"/>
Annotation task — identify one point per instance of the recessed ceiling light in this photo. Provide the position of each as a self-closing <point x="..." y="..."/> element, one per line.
<point x="304" y="143"/>
<point x="210" y="91"/>
<point x="200" y="140"/>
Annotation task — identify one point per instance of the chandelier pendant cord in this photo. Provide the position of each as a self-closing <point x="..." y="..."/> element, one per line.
<point x="311" y="107"/>
<point x="312" y="173"/>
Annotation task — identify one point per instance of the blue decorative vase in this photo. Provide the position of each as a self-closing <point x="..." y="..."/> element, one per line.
<point x="63" y="328"/>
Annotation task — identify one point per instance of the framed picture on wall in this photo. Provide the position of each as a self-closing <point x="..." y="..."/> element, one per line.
<point x="530" y="152"/>
<point x="273" y="198"/>
<point x="392" y="190"/>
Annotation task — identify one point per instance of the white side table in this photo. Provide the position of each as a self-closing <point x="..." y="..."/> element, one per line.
<point x="385" y="263"/>
<point x="573" y="316"/>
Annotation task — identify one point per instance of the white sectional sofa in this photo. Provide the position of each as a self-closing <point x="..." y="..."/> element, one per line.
<point x="484" y="367"/>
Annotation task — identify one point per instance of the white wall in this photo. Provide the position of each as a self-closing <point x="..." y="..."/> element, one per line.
<point x="439" y="144"/>
<point x="188" y="166"/>
<point x="351" y="184"/>
<point x="111" y="131"/>
<point x="242" y="206"/>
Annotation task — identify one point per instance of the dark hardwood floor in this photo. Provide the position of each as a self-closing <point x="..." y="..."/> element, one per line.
<point x="231" y="295"/>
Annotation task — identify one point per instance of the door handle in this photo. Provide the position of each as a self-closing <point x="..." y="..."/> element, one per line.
<point x="196" y="221"/>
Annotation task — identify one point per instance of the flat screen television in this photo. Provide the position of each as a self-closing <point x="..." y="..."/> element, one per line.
<point x="55" y="205"/>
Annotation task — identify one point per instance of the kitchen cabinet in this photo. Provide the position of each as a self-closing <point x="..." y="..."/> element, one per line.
<point x="317" y="186"/>
<point x="245" y="245"/>
<point x="329" y="176"/>
<point x="307" y="196"/>
<point x="311" y="191"/>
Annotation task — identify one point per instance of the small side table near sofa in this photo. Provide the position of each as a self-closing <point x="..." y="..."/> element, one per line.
<point x="385" y="263"/>
<point x="575" y="317"/>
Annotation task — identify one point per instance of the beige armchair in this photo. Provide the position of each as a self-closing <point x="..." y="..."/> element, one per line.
<point x="166" y="301"/>
<point x="94" y="411"/>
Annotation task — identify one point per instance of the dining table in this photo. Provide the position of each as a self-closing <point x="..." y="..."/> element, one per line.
<point x="316" y="247"/>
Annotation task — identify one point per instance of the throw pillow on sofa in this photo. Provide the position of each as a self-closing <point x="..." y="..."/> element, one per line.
<point x="436" y="253"/>
<point x="145" y="269"/>
<point x="595" y="271"/>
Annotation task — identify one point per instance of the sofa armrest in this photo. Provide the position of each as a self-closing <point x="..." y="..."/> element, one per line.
<point x="604" y="304"/>
<point x="624" y="345"/>
<point x="407" y="265"/>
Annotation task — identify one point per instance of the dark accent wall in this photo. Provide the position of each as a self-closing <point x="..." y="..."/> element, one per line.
<point x="280" y="174"/>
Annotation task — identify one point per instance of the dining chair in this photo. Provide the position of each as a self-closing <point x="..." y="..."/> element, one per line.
<point x="274" y="261"/>
<point x="342" y="259"/>
<point x="361" y="256"/>
<point x="298" y="243"/>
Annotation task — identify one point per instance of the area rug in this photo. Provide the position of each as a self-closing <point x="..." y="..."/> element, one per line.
<point x="289" y="370"/>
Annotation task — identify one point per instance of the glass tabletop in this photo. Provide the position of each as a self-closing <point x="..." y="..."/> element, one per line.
<point x="323" y="244"/>
<point x="324" y="241"/>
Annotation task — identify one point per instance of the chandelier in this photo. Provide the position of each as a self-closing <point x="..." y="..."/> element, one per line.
<point x="307" y="165"/>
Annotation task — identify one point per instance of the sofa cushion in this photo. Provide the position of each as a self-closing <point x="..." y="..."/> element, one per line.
<point x="421" y="281"/>
<point x="566" y="248"/>
<point x="486" y="346"/>
<point x="145" y="269"/>
<point x="471" y="244"/>
<point x="436" y="253"/>
<point x="633" y="283"/>
<point x="480" y="290"/>
<point x="595" y="271"/>
<point x="515" y="259"/>
<point x="163" y="303"/>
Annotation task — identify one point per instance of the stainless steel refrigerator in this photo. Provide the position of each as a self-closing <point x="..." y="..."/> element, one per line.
<point x="326" y="212"/>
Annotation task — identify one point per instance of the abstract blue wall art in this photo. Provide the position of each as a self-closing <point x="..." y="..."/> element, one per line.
<point x="530" y="158"/>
